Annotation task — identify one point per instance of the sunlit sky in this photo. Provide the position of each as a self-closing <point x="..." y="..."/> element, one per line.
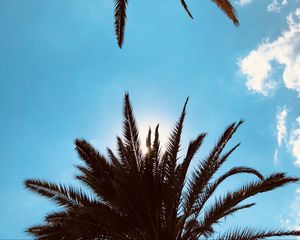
<point x="62" y="76"/>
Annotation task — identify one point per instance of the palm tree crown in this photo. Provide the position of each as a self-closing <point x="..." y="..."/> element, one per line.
<point x="121" y="6"/>
<point x="149" y="196"/>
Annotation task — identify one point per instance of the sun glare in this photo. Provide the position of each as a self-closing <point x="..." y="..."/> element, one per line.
<point x="164" y="131"/>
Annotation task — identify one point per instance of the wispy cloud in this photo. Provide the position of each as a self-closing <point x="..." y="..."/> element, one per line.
<point x="285" y="50"/>
<point x="294" y="142"/>
<point x="291" y="137"/>
<point x="281" y="130"/>
<point x="276" y="160"/>
<point x="292" y="221"/>
<point x="243" y="2"/>
<point x="276" y="5"/>
<point x="281" y="125"/>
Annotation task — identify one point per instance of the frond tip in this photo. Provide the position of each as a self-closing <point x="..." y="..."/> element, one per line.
<point x="183" y="3"/>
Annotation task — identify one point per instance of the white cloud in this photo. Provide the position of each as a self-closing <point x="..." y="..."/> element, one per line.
<point x="285" y="50"/>
<point x="281" y="130"/>
<point x="281" y="125"/>
<point x="243" y="2"/>
<point x="276" y="6"/>
<point x="290" y="137"/>
<point x="293" y="219"/>
<point x="294" y="142"/>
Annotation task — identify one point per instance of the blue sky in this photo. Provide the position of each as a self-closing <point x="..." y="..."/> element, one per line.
<point x="62" y="76"/>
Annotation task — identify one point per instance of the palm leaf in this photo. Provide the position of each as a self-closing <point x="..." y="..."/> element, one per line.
<point x="222" y="205"/>
<point x="183" y="3"/>
<point x="207" y="169"/>
<point x="228" y="9"/>
<point x="131" y="135"/>
<point x="253" y="234"/>
<point x="210" y="188"/>
<point x="91" y="157"/>
<point x="120" y="20"/>
<point x="62" y="195"/>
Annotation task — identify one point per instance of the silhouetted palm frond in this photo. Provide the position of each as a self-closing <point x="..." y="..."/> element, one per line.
<point x="186" y="8"/>
<point x="253" y="234"/>
<point x="64" y="196"/>
<point x="149" y="196"/>
<point x="228" y="9"/>
<point x="121" y="7"/>
<point x="120" y="20"/>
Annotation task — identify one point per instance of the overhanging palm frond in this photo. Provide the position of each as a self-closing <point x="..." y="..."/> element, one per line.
<point x="120" y="20"/>
<point x="183" y="3"/>
<point x="228" y="9"/>
<point x="121" y="8"/>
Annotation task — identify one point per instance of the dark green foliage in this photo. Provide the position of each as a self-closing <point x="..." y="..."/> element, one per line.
<point x="149" y="196"/>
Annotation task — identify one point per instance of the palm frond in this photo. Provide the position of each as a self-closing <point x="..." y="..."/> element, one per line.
<point x="191" y="152"/>
<point x="49" y="231"/>
<point x="62" y="195"/>
<point x="148" y="142"/>
<point x="210" y="188"/>
<point x="113" y="158"/>
<point x="222" y="205"/>
<point x="155" y="150"/>
<point x="120" y="20"/>
<point x="102" y="185"/>
<point x="170" y="179"/>
<point x="228" y="9"/>
<point x="131" y="135"/>
<point x="207" y="168"/>
<point x="56" y="216"/>
<point x="173" y="145"/>
<point x="254" y="234"/>
<point x="183" y="3"/>
<point x="237" y="208"/>
<point x="183" y="168"/>
<point x="92" y="158"/>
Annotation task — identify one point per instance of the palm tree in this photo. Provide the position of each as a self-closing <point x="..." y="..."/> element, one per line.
<point x="121" y="6"/>
<point x="149" y="196"/>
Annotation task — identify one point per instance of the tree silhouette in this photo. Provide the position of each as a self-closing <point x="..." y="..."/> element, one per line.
<point x="121" y="6"/>
<point x="149" y="196"/>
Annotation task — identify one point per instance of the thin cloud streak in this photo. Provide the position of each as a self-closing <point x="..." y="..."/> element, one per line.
<point x="243" y="2"/>
<point x="281" y="125"/>
<point x="294" y="142"/>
